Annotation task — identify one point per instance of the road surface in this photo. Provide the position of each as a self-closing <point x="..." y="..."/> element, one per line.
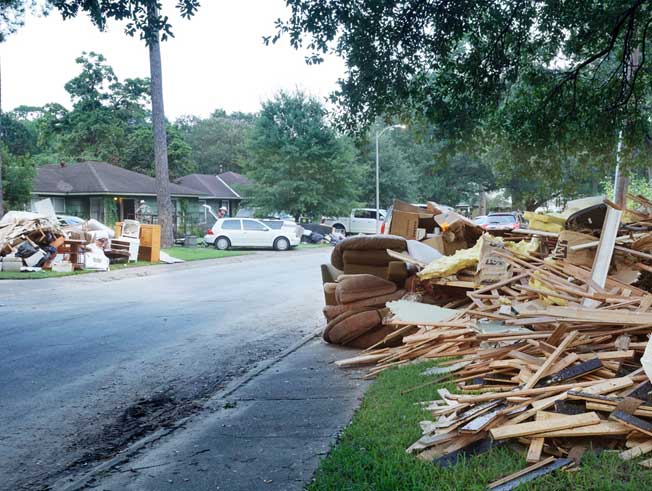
<point x="91" y="363"/>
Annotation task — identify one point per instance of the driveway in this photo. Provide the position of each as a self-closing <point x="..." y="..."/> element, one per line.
<point x="91" y="363"/>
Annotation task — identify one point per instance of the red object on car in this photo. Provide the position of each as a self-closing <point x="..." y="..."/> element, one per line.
<point x="209" y="231"/>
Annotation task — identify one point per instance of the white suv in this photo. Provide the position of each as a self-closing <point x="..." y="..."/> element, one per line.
<point x="249" y="232"/>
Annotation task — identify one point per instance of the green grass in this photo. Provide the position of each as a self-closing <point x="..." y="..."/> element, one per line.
<point x="370" y="454"/>
<point x="185" y="253"/>
<point x="10" y="275"/>
<point x="201" y="253"/>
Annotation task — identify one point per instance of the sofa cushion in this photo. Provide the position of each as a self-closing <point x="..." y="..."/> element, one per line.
<point x="332" y="311"/>
<point x="352" y="288"/>
<point x="370" y="258"/>
<point x="350" y="325"/>
<point x="366" y="243"/>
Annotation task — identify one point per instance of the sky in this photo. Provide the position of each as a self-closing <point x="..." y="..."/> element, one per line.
<point x="216" y="60"/>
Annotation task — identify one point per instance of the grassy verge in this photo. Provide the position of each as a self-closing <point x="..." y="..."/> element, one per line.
<point x="201" y="253"/>
<point x="185" y="253"/>
<point x="370" y="454"/>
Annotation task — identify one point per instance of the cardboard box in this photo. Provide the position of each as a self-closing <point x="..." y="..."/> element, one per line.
<point x="12" y="264"/>
<point x="436" y="242"/>
<point x="492" y="268"/>
<point x="404" y="224"/>
<point x="62" y="267"/>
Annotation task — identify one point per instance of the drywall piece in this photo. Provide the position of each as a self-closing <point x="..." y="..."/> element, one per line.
<point x="646" y="360"/>
<point x="420" y="313"/>
<point x="605" y="252"/>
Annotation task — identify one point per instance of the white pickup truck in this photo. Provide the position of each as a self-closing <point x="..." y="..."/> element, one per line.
<point x="361" y="221"/>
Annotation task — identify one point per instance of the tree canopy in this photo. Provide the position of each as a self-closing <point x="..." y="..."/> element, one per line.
<point x="537" y="88"/>
<point x="298" y="162"/>
<point x="220" y="142"/>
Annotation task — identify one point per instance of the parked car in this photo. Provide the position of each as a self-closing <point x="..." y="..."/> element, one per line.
<point x="249" y="232"/>
<point x="502" y="221"/>
<point x="481" y="220"/>
<point x="361" y="221"/>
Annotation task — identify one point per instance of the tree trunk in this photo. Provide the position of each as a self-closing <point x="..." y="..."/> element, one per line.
<point x="163" y="200"/>
<point x="2" y="208"/>
<point x="482" y="209"/>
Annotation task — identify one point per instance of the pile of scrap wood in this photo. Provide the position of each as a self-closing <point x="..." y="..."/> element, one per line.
<point x="547" y="352"/>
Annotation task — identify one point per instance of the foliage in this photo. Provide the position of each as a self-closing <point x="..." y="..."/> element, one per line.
<point x="219" y="142"/>
<point x="537" y="89"/>
<point x="299" y="164"/>
<point x="12" y="13"/>
<point x="18" y="174"/>
<point x="109" y="121"/>
<point x="141" y="18"/>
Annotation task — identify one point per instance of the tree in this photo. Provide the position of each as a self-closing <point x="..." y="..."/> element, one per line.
<point x="219" y="142"/>
<point x="145" y="18"/>
<point x="454" y="63"/>
<point x="299" y="164"/>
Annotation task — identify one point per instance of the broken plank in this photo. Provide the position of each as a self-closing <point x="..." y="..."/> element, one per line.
<point x="633" y="422"/>
<point x="551" y="359"/>
<point x="604" y="428"/>
<point x="534" y="450"/>
<point x="536" y="427"/>
<point x="636" y="451"/>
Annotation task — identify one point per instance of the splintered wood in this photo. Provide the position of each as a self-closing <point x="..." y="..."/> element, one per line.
<point x="535" y="364"/>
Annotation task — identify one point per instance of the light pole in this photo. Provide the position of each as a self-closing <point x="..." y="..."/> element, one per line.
<point x="378" y="135"/>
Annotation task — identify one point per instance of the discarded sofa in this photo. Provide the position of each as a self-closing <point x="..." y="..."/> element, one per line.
<point x="355" y="315"/>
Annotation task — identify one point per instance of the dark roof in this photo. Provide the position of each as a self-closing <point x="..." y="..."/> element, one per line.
<point x="232" y="178"/>
<point x="208" y="186"/>
<point x="98" y="178"/>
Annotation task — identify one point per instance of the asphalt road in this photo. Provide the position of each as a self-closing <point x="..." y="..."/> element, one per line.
<point x="87" y="362"/>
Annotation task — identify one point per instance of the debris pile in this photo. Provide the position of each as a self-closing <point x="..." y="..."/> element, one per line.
<point x="28" y="240"/>
<point x="32" y="242"/>
<point x="547" y="344"/>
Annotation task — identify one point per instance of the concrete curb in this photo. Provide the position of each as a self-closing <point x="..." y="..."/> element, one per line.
<point x="84" y="480"/>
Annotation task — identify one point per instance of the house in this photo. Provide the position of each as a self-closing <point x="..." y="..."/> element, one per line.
<point x="106" y="192"/>
<point x="216" y="190"/>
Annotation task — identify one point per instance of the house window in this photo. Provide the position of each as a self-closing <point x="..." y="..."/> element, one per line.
<point x="97" y="209"/>
<point x="203" y="213"/>
<point x="59" y="205"/>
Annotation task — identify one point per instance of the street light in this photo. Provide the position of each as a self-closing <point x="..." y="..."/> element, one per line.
<point x="378" y="135"/>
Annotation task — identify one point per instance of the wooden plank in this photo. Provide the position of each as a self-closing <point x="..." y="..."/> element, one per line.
<point x="534" y="450"/>
<point x="534" y="474"/>
<point x="570" y="373"/>
<point x="529" y="392"/>
<point x="551" y="359"/>
<point x="633" y="422"/>
<point x="636" y="451"/>
<point x="616" y="317"/>
<point x="604" y="428"/>
<point x="605" y="251"/>
<point x="520" y="473"/>
<point x="537" y="427"/>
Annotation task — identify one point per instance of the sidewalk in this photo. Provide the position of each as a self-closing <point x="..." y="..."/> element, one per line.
<point x="270" y="433"/>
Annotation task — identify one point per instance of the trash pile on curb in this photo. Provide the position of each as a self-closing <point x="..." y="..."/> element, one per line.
<point x="31" y="242"/>
<point x="545" y="334"/>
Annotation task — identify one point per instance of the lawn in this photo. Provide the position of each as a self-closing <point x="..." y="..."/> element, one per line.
<point x="185" y="253"/>
<point x="370" y="454"/>
<point x="201" y="253"/>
